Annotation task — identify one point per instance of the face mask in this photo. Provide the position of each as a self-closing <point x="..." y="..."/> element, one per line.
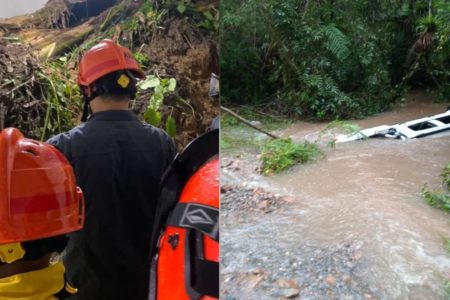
<point x="36" y="285"/>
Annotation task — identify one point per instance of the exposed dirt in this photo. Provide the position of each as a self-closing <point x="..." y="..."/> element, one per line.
<point x="183" y="51"/>
<point x="176" y="48"/>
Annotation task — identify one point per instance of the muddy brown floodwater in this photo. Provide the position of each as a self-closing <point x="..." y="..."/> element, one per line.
<point x="358" y="228"/>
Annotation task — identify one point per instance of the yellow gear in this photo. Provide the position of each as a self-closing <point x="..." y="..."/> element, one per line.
<point x="41" y="284"/>
<point x="11" y="252"/>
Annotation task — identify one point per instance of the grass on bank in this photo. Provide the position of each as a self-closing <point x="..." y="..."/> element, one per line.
<point x="276" y="155"/>
<point x="436" y="199"/>
<point x="439" y="200"/>
<point x="280" y="154"/>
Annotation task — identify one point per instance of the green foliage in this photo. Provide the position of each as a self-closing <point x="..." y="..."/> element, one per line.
<point x="161" y="88"/>
<point x="329" y="59"/>
<point x="440" y="200"/>
<point x="152" y="117"/>
<point x="142" y="59"/>
<point x="205" y="16"/>
<point x="61" y="97"/>
<point x="227" y="120"/>
<point x="141" y="27"/>
<point x="336" y="42"/>
<point x="226" y="143"/>
<point x="280" y="154"/>
<point x="171" y="127"/>
<point x="436" y="199"/>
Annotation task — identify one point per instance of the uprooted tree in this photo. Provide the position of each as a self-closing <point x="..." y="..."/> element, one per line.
<point x="174" y="41"/>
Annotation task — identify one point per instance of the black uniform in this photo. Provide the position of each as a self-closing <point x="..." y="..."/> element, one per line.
<point x="118" y="162"/>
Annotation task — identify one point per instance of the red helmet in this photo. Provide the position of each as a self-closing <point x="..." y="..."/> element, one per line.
<point x="38" y="193"/>
<point x="188" y="259"/>
<point x="104" y="58"/>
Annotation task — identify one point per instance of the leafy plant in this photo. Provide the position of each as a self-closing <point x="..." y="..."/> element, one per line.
<point x="142" y="58"/>
<point x="227" y="120"/>
<point x="336" y="41"/>
<point x="280" y="154"/>
<point x="161" y="88"/>
<point x="436" y="199"/>
<point x="171" y="126"/>
<point x="61" y="95"/>
<point x="204" y="16"/>
<point x="439" y="199"/>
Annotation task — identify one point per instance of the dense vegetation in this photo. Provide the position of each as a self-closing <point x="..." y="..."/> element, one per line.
<point x="332" y="59"/>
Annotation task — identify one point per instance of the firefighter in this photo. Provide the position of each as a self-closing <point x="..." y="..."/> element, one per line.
<point x="118" y="162"/>
<point x="39" y="204"/>
<point x="186" y="264"/>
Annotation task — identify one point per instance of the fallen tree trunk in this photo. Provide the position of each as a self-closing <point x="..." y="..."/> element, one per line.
<point x="55" y="43"/>
<point x="49" y="32"/>
<point x="246" y="122"/>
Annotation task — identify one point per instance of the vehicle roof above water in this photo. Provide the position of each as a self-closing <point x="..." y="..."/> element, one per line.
<point x="437" y="124"/>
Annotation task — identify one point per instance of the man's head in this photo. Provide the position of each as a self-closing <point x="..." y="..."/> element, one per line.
<point x="108" y="72"/>
<point x="39" y="199"/>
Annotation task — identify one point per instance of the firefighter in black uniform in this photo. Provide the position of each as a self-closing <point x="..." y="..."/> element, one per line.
<point x="118" y="162"/>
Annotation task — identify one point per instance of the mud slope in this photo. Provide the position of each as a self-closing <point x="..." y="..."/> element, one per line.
<point x="176" y="47"/>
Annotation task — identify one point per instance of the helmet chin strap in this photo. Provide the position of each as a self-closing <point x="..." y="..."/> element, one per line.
<point x="88" y="97"/>
<point x="86" y="111"/>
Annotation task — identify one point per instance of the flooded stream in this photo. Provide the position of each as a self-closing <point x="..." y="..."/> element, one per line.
<point x="358" y="224"/>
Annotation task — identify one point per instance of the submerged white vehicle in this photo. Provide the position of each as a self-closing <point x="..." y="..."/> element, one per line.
<point x="408" y="130"/>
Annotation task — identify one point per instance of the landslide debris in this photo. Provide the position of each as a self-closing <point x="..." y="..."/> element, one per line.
<point x="39" y="55"/>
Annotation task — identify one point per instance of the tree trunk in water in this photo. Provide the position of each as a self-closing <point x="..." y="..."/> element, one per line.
<point x="246" y="122"/>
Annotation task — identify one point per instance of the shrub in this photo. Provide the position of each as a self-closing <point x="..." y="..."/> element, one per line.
<point x="280" y="154"/>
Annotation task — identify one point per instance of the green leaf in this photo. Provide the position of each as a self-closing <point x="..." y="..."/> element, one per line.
<point x="208" y="15"/>
<point x="150" y="82"/>
<point x="181" y="8"/>
<point x="172" y="85"/>
<point x="158" y="97"/>
<point x="152" y="117"/>
<point x="171" y="127"/>
<point x="67" y="90"/>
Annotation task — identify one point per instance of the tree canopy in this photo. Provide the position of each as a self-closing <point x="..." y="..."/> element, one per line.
<point x="333" y="58"/>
